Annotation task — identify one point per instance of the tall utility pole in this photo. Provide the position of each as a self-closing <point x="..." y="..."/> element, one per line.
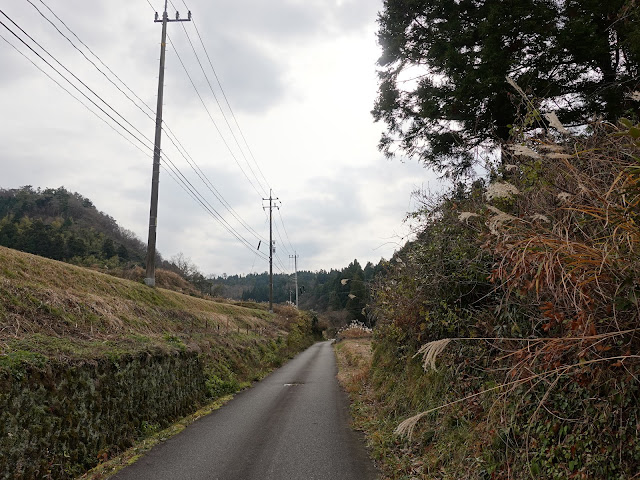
<point x="272" y="248"/>
<point x="295" y="263"/>
<point x="150" y="278"/>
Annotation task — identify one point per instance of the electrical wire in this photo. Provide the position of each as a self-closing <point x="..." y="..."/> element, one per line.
<point x="190" y="159"/>
<point x="178" y="175"/>
<point x="285" y="230"/>
<point x="196" y="168"/>
<point x="67" y="80"/>
<point x="173" y="140"/>
<point x="225" y="117"/>
<point x="195" y="26"/>
<point x="207" y="206"/>
<point x="149" y="115"/>
<point x="195" y="53"/>
<point x="97" y="57"/>
<point x="210" y="116"/>
<point x="72" y="95"/>
<point x="284" y="246"/>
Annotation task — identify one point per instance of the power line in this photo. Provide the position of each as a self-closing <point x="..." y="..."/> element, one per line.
<point x="284" y="246"/>
<point x="195" y="194"/>
<point x="69" y="81"/>
<point x="225" y="117"/>
<point x="285" y="230"/>
<point x="211" y="117"/>
<point x="150" y="277"/>
<point x="227" y="101"/>
<point x="179" y="176"/>
<point x="73" y="96"/>
<point x="189" y="160"/>
<point x="97" y="57"/>
<point x="91" y="61"/>
<point x="205" y="204"/>
<point x="221" y="109"/>
<point x="184" y="182"/>
<point x="194" y="166"/>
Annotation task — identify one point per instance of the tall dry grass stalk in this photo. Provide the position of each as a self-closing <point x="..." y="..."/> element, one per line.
<point x="430" y="352"/>
<point x="407" y="427"/>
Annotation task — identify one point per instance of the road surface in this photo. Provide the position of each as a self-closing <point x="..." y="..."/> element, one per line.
<point x="293" y="425"/>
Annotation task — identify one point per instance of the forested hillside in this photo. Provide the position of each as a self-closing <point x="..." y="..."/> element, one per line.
<point x="58" y="224"/>
<point x="61" y="225"/>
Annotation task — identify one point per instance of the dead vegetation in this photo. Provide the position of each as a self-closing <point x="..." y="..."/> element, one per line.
<point x="522" y="291"/>
<point x="44" y="303"/>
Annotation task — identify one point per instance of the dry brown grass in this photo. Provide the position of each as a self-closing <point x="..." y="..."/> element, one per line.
<point x="164" y="279"/>
<point x="354" y="330"/>
<point x="354" y="362"/>
<point x="578" y="268"/>
<point x="53" y="300"/>
<point x="566" y="258"/>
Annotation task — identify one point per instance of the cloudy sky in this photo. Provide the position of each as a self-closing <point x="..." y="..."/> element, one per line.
<point x="300" y="77"/>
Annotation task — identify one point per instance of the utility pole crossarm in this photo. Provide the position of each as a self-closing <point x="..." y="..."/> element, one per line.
<point x="150" y="278"/>
<point x="177" y="19"/>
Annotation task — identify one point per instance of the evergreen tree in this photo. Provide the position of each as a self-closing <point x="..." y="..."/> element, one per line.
<point x="122" y="252"/>
<point x="357" y="298"/>
<point x="442" y="86"/>
<point x="108" y="248"/>
<point x="76" y="247"/>
<point x="9" y="234"/>
<point x="61" y="225"/>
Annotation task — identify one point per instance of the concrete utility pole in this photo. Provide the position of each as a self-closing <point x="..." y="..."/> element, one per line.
<point x="272" y="248"/>
<point x="295" y="263"/>
<point x="150" y="278"/>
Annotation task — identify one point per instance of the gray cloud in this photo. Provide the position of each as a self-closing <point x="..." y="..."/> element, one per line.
<point x="355" y="15"/>
<point x="250" y="75"/>
<point x="277" y="20"/>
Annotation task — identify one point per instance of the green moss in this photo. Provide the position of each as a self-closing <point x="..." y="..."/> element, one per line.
<point x="91" y="363"/>
<point x="17" y="360"/>
<point x="103" y="396"/>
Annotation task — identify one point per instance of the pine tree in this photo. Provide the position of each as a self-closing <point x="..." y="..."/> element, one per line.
<point x="442" y="90"/>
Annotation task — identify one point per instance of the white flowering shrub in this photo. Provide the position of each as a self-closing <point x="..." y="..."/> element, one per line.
<point x="355" y="330"/>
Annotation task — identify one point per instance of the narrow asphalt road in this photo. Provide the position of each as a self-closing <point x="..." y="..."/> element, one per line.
<point x="293" y="425"/>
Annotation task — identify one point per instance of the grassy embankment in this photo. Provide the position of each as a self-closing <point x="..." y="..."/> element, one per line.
<point x="91" y="363"/>
<point x="383" y="395"/>
<point x="478" y="430"/>
<point x="521" y="296"/>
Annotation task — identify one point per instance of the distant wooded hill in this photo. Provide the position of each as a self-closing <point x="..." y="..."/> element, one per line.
<point x="61" y="225"/>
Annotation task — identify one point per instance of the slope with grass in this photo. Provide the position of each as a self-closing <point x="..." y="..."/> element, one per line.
<point x="90" y="362"/>
<point x="507" y="338"/>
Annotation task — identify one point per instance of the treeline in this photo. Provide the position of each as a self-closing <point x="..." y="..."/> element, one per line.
<point x="344" y="292"/>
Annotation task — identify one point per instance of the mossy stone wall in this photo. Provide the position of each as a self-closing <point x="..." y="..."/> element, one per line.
<point x="58" y="418"/>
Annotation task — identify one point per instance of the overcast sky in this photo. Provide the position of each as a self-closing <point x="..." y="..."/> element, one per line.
<point x="300" y="76"/>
